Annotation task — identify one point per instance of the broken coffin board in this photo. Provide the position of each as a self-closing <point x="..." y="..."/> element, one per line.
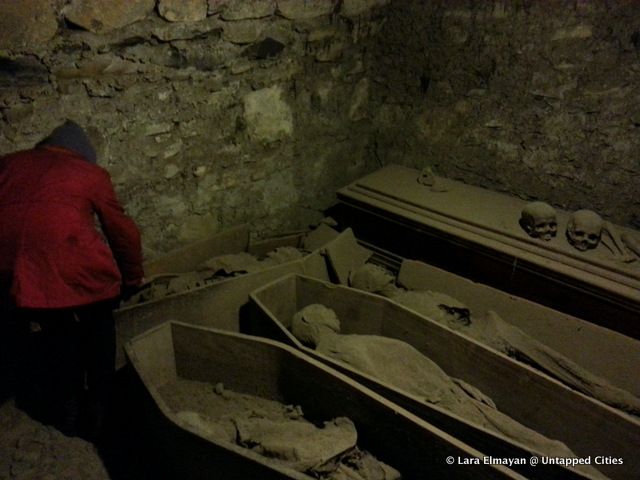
<point x="606" y="353"/>
<point x="475" y="232"/>
<point x="215" y="304"/>
<point x="189" y="257"/>
<point x="587" y="426"/>
<point x="277" y="372"/>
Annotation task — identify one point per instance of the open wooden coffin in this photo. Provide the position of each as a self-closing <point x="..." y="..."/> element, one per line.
<point x="215" y="304"/>
<point x="600" y="351"/>
<point x="474" y="232"/>
<point x="604" y="352"/>
<point x="587" y="426"/>
<point x="271" y="370"/>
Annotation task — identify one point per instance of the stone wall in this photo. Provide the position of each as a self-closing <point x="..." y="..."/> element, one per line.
<point x="212" y="113"/>
<point x="535" y="98"/>
<point x="206" y="113"/>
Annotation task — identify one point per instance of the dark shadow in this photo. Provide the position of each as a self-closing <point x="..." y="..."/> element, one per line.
<point x="126" y="450"/>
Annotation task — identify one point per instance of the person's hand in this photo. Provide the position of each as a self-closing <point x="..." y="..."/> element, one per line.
<point x="129" y="289"/>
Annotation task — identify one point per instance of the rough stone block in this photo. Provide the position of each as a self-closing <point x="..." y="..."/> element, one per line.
<point x="26" y="23"/>
<point x="267" y="115"/>
<point x="215" y="6"/>
<point x="101" y="16"/>
<point x="359" y="100"/>
<point x="579" y="32"/>
<point x="242" y="32"/>
<point x="245" y="9"/>
<point x="353" y="8"/>
<point x="300" y="10"/>
<point x="330" y="51"/>
<point x="183" y="10"/>
<point x="171" y="170"/>
<point x="322" y="34"/>
<point x="157" y="128"/>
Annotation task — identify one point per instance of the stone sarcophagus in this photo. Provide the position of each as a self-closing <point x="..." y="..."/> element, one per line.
<point x="574" y="262"/>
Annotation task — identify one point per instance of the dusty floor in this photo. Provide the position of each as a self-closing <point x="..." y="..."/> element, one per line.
<point x="30" y="450"/>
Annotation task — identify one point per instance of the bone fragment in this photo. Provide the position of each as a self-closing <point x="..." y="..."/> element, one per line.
<point x="620" y="251"/>
<point x="631" y="243"/>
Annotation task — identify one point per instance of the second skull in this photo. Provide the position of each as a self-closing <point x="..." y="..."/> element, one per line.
<point x="584" y="229"/>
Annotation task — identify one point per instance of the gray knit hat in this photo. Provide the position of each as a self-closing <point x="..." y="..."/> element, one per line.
<point x="71" y="136"/>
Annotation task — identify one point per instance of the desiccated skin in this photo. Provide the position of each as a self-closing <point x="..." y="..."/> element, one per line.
<point x="399" y="364"/>
<point x="493" y="331"/>
<point x="276" y="431"/>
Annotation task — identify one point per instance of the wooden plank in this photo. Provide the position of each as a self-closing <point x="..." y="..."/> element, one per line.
<point x="215" y="305"/>
<point x="263" y="246"/>
<point x="272" y="370"/>
<point x="588" y="427"/>
<point x="345" y="254"/>
<point x="319" y="237"/>
<point x="604" y="352"/>
<point x="183" y="452"/>
<point x="191" y="256"/>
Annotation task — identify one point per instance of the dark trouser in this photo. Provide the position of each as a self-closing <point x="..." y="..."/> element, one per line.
<point x="67" y="365"/>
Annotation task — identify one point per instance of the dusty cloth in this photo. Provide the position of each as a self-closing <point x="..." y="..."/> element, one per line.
<point x="491" y="330"/>
<point x="397" y="363"/>
<point x="213" y="270"/>
<point x="276" y="431"/>
<point x="52" y="254"/>
<point x="296" y="443"/>
<point x="32" y="451"/>
<point x="504" y="337"/>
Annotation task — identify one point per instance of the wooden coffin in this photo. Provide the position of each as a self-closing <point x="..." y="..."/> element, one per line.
<point x="606" y="353"/>
<point x="215" y="304"/>
<point x="587" y="426"/>
<point x="271" y="370"/>
<point x="474" y="232"/>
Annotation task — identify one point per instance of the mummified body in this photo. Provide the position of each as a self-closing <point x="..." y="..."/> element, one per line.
<point x="275" y="431"/>
<point x="491" y="330"/>
<point x="403" y="366"/>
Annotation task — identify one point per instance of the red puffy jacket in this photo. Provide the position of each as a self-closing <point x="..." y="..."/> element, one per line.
<point x="51" y="253"/>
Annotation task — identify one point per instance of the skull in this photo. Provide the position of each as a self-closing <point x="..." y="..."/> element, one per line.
<point x="584" y="229"/>
<point x="312" y="322"/>
<point x="427" y="177"/>
<point x="538" y="219"/>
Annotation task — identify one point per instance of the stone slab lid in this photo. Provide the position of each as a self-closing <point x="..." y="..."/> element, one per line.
<point x="489" y="219"/>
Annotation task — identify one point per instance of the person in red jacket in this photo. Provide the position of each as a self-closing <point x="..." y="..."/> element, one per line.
<point x="61" y="276"/>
